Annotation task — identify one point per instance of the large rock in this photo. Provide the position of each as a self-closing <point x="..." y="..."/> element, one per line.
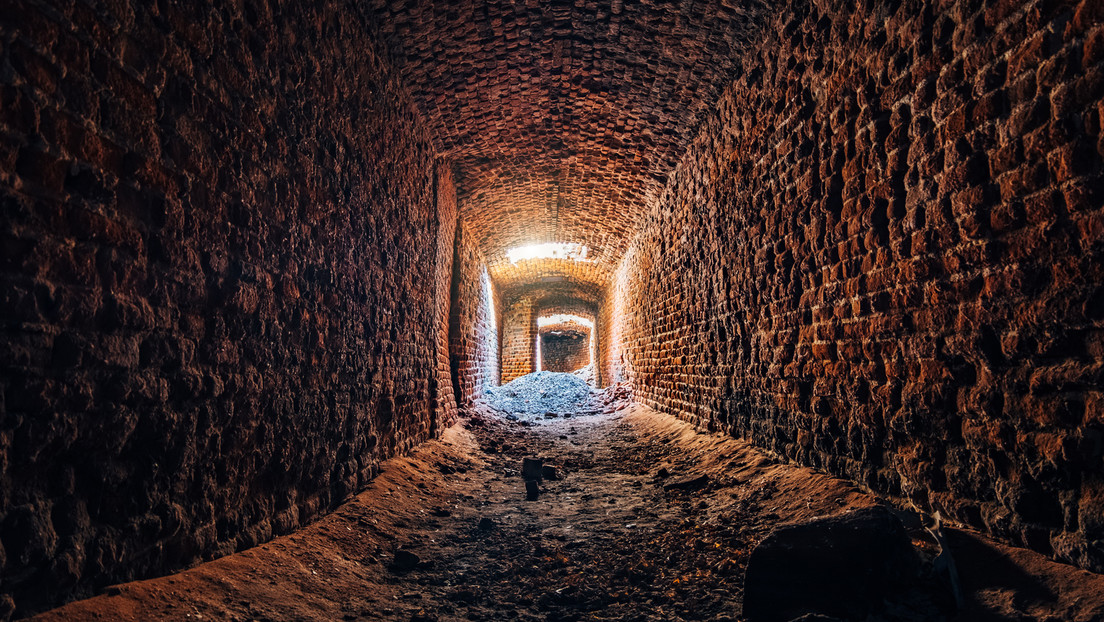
<point x="842" y="566"/>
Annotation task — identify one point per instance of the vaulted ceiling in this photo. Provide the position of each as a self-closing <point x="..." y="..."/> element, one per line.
<point x="563" y="118"/>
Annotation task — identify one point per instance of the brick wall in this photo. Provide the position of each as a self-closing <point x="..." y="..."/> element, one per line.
<point x="519" y="333"/>
<point x="883" y="256"/>
<point x="557" y="304"/>
<point x="443" y="380"/>
<point x="523" y="305"/>
<point x="474" y="324"/>
<point x="225" y="251"/>
<point x="564" y="352"/>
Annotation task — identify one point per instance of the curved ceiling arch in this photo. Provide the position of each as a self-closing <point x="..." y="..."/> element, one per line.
<point x="563" y="118"/>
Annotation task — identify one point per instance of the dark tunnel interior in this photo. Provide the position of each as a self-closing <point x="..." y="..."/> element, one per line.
<point x="552" y="310"/>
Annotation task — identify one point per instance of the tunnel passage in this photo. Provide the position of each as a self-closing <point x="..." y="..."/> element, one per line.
<point x="564" y="349"/>
<point x="526" y="306"/>
<point x="251" y="250"/>
<point x="566" y="342"/>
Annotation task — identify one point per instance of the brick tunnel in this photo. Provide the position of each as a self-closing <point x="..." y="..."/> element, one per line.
<point x="284" y="288"/>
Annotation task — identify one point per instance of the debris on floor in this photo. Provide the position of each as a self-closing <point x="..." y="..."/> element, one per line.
<point x="607" y="542"/>
<point x="532" y="468"/>
<point x="545" y="396"/>
<point x="586" y="374"/>
<point x="539" y="393"/>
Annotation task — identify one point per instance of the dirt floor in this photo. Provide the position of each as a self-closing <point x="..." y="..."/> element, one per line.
<point x="447" y="533"/>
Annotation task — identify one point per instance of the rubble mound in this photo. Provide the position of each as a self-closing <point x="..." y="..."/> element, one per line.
<point x="539" y="393"/>
<point x="585" y="373"/>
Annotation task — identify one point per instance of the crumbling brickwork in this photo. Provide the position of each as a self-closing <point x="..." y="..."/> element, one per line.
<point x="882" y="256"/>
<point x="564" y="118"/>
<point x="564" y="348"/>
<point x="224" y="280"/>
<point x="443" y="379"/>
<point x="519" y="334"/>
<point x="474" y="324"/>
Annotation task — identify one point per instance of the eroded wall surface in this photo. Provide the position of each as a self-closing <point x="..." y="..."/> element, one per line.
<point x="474" y="324"/>
<point x="884" y="256"/>
<point x="565" y="352"/>
<point x="223" y="282"/>
<point x="519" y="335"/>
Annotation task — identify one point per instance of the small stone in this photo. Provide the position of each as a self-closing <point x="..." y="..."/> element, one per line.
<point x="550" y="472"/>
<point x="531" y="468"/>
<point x="550" y="415"/>
<point x="532" y="490"/>
<point x="441" y="513"/>
<point x="486" y="524"/>
<point x="405" y="560"/>
<point x="663" y="473"/>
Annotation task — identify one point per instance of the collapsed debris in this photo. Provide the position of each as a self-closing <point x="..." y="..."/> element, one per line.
<point x="546" y="396"/>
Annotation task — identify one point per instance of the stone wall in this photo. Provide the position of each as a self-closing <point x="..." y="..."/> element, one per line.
<point x="519" y="334"/>
<point x="223" y="282"/>
<point x="523" y="305"/>
<point x="566" y="351"/>
<point x="883" y="256"/>
<point x="474" y="324"/>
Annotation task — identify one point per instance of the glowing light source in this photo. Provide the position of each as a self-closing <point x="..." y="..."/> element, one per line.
<point x="548" y="250"/>
<point x="561" y="318"/>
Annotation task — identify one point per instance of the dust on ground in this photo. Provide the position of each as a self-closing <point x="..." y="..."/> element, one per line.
<point x="446" y="533"/>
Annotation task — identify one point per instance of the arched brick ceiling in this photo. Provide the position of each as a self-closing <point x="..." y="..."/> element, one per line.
<point x="569" y="296"/>
<point x="563" y="118"/>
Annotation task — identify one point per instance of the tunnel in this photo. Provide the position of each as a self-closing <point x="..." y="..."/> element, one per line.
<point x="552" y="310"/>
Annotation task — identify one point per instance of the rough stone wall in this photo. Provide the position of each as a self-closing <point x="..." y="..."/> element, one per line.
<point x="611" y="363"/>
<point x="564" y="352"/>
<point x="443" y="381"/>
<point x="519" y="333"/>
<point x="219" y="281"/>
<point x="474" y="330"/>
<point x="523" y="305"/>
<point x="884" y="256"/>
<point x="564" y="118"/>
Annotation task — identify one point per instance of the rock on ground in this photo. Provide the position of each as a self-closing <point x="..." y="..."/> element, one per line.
<point x="843" y="566"/>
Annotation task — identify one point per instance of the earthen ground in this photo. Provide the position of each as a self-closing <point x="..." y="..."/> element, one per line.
<point x="605" y="542"/>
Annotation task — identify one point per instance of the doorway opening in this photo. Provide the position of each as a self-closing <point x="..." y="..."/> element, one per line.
<point x="565" y="343"/>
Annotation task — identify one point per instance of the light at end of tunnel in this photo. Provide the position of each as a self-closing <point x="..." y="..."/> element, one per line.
<point x="548" y="250"/>
<point x="561" y="318"/>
